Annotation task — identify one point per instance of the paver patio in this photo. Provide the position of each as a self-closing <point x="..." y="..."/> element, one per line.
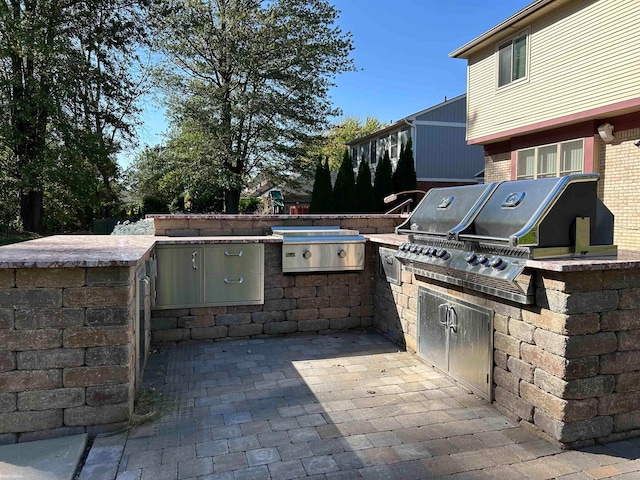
<point x="337" y="406"/>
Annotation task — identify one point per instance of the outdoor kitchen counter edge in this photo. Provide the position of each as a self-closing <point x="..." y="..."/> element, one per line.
<point x="625" y="259"/>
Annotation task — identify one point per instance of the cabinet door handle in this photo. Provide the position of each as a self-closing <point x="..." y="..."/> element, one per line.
<point x="239" y="254"/>
<point x="226" y="280"/>
<point x="452" y="319"/>
<point x="193" y="260"/>
<point x="443" y="314"/>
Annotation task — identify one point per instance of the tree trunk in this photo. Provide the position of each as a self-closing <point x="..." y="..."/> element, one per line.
<point x="31" y="211"/>
<point x="231" y="201"/>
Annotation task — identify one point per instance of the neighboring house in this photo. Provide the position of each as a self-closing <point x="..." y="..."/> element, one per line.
<point x="555" y="89"/>
<point x="441" y="154"/>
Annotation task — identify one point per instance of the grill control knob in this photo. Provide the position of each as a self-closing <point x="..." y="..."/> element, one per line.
<point x="413" y="248"/>
<point x="306" y="254"/>
<point x="497" y="263"/>
<point x="471" y="258"/>
<point x="483" y="260"/>
<point x="342" y="253"/>
<point x="442" y="253"/>
<point x="405" y="246"/>
<point x="430" y="251"/>
<point x="424" y="250"/>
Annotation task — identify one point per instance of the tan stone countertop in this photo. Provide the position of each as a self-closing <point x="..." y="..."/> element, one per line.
<point x="164" y="240"/>
<point x="67" y="251"/>
<point x="386" y="238"/>
<point x="625" y="259"/>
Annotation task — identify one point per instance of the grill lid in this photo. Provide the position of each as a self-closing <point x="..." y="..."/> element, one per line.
<point x="323" y="234"/>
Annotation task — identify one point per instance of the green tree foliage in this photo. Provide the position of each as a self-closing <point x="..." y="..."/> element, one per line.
<point x="344" y="190"/>
<point x="322" y="194"/>
<point x="382" y="183"/>
<point x="331" y="145"/>
<point x="67" y="104"/>
<point x="364" y="189"/>
<point x="404" y="177"/>
<point x="251" y="76"/>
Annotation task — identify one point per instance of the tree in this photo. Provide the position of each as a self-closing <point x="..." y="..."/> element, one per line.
<point x="404" y="177"/>
<point x="322" y="195"/>
<point x="344" y="190"/>
<point x="364" y="190"/>
<point x="252" y="76"/>
<point x="66" y="100"/>
<point x="382" y="183"/>
<point x="331" y="144"/>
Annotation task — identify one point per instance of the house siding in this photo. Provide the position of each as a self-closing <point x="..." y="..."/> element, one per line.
<point x="435" y="143"/>
<point x="582" y="48"/>
<point x="454" y="110"/>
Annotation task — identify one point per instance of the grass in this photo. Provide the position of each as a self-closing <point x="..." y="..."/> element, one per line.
<point x="7" y="238"/>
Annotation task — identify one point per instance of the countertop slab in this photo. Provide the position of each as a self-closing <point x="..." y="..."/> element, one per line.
<point x="163" y="240"/>
<point x="68" y="251"/>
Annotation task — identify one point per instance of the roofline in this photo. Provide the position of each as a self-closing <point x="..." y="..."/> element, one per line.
<point x="404" y="121"/>
<point x="516" y="17"/>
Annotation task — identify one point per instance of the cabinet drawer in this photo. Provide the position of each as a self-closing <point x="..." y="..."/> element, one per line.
<point x="234" y="258"/>
<point x="230" y="289"/>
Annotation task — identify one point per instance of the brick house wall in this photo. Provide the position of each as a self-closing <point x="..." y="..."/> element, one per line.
<point x="497" y="167"/>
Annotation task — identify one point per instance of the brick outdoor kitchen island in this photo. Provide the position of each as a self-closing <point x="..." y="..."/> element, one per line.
<point x="568" y="366"/>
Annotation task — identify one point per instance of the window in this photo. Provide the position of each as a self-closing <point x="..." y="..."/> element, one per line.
<point x="394" y="145"/>
<point x="512" y="60"/>
<point x="373" y="157"/>
<point x="555" y="160"/>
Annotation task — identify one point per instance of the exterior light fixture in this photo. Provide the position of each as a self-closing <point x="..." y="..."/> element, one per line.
<point x="606" y="132"/>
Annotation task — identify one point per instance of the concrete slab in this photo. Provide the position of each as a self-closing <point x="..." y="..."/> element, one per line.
<point x="53" y="459"/>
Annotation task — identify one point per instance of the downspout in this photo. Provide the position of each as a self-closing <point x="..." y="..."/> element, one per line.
<point x="414" y="142"/>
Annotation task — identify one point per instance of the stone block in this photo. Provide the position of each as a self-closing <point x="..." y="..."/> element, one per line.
<point x="514" y="404"/>
<point x="267" y="317"/>
<point x="619" y="279"/>
<point x="317" y="280"/>
<point x="93" y="376"/>
<point x="332" y="290"/>
<point x="19" y="340"/>
<point x="279" y="280"/>
<point x="362" y="311"/>
<point x="233" y="319"/>
<point x="96" y="296"/>
<point x="109" y="276"/>
<point x="273" y="293"/>
<point x="200" y="321"/>
<point x="344" y="323"/>
<point x="315" y="302"/>
<point x="629" y="340"/>
<point x="579" y="302"/>
<point x="201" y="311"/>
<point x="54" y="358"/>
<point x="521" y="369"/>
<point x="500" y="359"/>
<point x="50" y="277"/>
<point x="568" y="432"/>
<point x="333" y="312"/>
<point x="279" y="328"/>
<point x="36" y="298"/>
<point x="628" y="381"/>
<point x="305" y="314"/>
<point x="166" y="336"/>
<point x="571" y="281"/>
<point x="7" y="278"/>
<point x="48" y="399"/>
<point x="95" y="337"/>
<point x="99" y="356"/>
<point x="18" y="422"/>
<point x="521" y="330"/>
<point x="103" y="317"/>
<point x="507" y="380"/>
<point x="24" y="380"/>
<point x="624" y="422"/>
<point x="284" y="304"/>
<point x="350" y="301"/>
<point x="559" y="366"/>
<point x="245" y="330"/>
<point x="236" y="309"/>
<point x="576" y="346"/>
<point x="201" y="333"/>
<point x="313" y="325"/>
<point x="506" y="344"/>
<point x="8" y="402"/>
<point x="7" y="361"/>
<point x="107" y="395"/>
<point x="501" y="323"/>
<point x="574" y="389"/>
<point x="620" y="362"/>
<point x="174" y="313"/>
<point x="557" y="408"/>
<point x="618" y="403"/>
<point x="96" y="415"/>
<point x="40" y="318"/>
<point x="6" y="318"/>
<point x="164" y="323"/>
<point x="629" y="298"/>
<point x="620" y="320"/>
<point x="580" y="324"/>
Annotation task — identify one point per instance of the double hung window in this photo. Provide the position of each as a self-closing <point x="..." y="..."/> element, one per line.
<point x="512" y="60"/>
<point x="555" y="160"/>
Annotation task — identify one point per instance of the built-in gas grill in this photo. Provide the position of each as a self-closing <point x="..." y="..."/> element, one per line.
<point x="480" y="236"/>
<point x="320" y="249"/>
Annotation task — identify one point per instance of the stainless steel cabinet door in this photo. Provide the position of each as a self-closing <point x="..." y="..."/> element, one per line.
<point x="432" y="333"/>
<point x="179" y="275"/>
<point x="233" y="259"/>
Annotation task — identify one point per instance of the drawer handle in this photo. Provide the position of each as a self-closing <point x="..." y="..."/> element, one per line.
<point x="193" y="260"/>
<point x="226" y="280"/>
<point x="239" y="254"/>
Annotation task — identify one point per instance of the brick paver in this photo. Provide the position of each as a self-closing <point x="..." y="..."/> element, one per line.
<point x="331" y="407"/>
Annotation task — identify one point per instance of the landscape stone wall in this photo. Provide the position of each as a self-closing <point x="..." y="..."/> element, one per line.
<point x="66" y="351"/>
<point x="568" y="366"/>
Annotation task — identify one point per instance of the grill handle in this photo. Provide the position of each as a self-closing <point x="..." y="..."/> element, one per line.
<point x="227" y="281"/>
<point x="239" y="254"/>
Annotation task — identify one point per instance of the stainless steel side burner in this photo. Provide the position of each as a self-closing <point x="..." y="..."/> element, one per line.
<point x="320" y="249"/>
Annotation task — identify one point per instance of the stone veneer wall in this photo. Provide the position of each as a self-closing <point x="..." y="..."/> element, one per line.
<point x="66" y="351"/>
<point x="568" y="366"/>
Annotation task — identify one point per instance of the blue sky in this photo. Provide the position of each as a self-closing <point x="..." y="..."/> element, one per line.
<point x="401" y="52"/>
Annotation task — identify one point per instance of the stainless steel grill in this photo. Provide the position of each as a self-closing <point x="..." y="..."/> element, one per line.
<point x="320" y="249"/>
<point x="481" y="236"/>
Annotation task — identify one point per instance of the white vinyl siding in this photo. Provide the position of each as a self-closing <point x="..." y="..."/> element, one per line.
<point x="582" y="56"/>
<point x="553" y="160"/>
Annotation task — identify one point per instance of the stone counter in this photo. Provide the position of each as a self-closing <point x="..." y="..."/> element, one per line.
<point x="567" y="366"/>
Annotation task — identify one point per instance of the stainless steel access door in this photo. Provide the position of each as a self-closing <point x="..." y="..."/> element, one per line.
<point x="432" y="333"/>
